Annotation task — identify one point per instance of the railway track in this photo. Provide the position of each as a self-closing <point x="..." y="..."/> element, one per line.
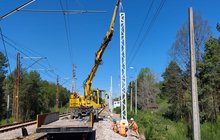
<point x="9" y="127"/>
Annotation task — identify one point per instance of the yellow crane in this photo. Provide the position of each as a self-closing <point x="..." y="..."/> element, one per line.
<point x="92" y="99"/>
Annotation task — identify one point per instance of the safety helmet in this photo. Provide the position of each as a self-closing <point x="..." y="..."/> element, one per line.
<point x="131" y="119"/>
<point x="114" y="120"/>
<point x="123" y="122"/>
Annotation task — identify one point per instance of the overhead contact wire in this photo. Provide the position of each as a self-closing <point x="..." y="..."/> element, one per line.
<point x="148" y="30"/>
<point x="67" y="33"/>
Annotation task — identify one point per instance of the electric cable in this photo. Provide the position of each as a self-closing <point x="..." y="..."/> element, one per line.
<point x="67" y="34"/>
<point x="153" y="20"/>
<point x="6" y="54"/>
<point x="142" y="27"/>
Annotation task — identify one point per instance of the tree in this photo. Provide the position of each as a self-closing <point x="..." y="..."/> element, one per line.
<point x="48" y="91"/>
<point x="30" y="95"/>
<point x="3" y="71"/>
<point x="180" y="49"/>
<point x="36" y="95"/>
<point x="9" y="89"/>
<point x="64" y="96"/>
<point x="209" y="76"/>
<point x="173" y="88"/>
<point x="147" y="89"/>
<point x="218" y="27"/>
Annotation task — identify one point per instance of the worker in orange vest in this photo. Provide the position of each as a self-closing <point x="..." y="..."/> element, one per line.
<point x="123" y="129"/>
<point x="134" y="126"/>
<point x="115" y="126"/>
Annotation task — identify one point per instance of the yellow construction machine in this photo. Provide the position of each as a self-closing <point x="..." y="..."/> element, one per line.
<point x="82" y="107"/>
<point x="93" y="101"/>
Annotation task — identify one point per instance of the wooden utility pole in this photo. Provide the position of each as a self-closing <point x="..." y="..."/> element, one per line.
<point x="14" y="102"/>
<point x="136" y="96"/>
<point x="16" y="92"/>
<point x="57" y="94"/>
<point x="131" y="97"/>
<point x="8" y="102"/>
<point x="195" y="106"/>
<point x="18" y="87"/>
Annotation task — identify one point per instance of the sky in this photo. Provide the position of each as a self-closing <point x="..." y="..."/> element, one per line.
<point x="45" y="35"/>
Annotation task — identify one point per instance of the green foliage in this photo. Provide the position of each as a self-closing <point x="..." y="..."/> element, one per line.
<point x="209" y="79"/>
<point x="117" y="110"/>
<point x="4" y="121"/>
<point x="148" y="132"/>
<point x="180" y="48"/>
<point x="61" y="109"/>
<point x="3" y="66"/>
<point x="147" y="89"/>
<point x="211" y="130"/>
<point x="64" y="97"/>
<point x="36" y="95"/>
<point x="155" y="127"/>
<point x="49" y="94"/>
<point x="30" y="96"/>
<point x="173" y="119"/>
<point x="218" y="27"/>
<point x="176" y="84"/>
<point x="173" y="88"/>
<point x="177" y="131"/>
<point x="163" y="104"/>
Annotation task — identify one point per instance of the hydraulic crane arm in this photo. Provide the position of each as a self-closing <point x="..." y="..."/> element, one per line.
<point x="99" y="53"/>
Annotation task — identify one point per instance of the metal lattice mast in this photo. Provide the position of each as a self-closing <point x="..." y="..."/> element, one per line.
<point x="123" y="64"/>
<point x="73" y="77"/>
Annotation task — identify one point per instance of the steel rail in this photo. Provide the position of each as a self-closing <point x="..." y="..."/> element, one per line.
<point x="9" y="127"/>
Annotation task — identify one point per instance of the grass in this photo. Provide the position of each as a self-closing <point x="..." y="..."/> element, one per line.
<point x="162" y="106"/>
<point x="4" y="121"/>
<point x="61" y="110"/>
<point x="155" y="127"/>
<point x="211" y="130"/>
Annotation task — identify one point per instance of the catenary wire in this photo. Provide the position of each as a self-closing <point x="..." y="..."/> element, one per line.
<point x="153" y="20"/>
<point x="67" y="34"/>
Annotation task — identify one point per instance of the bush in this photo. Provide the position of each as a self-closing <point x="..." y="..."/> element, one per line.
<point x="211" y="130"/>
<point x="155" y="127"/>
<point x="4" y="121"/>
<point x="117" y="110"/>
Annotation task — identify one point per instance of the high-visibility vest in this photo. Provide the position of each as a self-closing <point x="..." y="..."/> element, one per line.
<point x="115" y="126"/>
<point x="122" y="130"/>
<point x="134" y="125"/>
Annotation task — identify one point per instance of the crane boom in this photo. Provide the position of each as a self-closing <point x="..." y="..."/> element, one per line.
<point x="99" y="53"/>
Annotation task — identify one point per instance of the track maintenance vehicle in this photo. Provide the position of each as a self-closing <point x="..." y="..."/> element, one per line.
<point x="92" y="100"/>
